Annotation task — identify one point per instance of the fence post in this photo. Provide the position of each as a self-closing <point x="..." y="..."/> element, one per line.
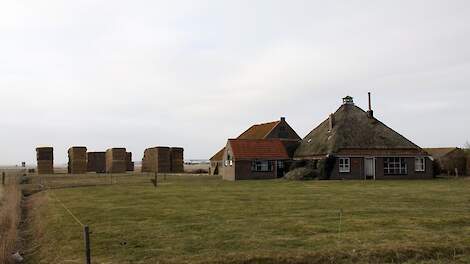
<point x="339" y="226"/>
<point x="86" y="235"/>
<point x="3" y="178"/>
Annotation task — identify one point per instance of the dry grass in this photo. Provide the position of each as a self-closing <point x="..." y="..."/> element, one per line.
<point x="190" y="219"/>
<point x="10" y="213"/>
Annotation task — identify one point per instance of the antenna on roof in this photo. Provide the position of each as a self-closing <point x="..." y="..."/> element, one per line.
<point x="370" y="113"/>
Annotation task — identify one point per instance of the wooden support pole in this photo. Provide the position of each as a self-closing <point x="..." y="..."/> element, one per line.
<point x="86" y="235"/>
<point x="3" y="178"/>
<point x="340" y="222"/>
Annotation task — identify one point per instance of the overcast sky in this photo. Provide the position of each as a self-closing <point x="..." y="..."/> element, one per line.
<point x="192" y="73"/>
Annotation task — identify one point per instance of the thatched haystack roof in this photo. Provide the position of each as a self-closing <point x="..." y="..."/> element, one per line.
<point x="353" y="130"/>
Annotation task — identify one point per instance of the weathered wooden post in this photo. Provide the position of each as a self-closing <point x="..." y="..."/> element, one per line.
<point x="339" y="225"/>
<point x="86" y="235"/>
<point x="3" y="178"/>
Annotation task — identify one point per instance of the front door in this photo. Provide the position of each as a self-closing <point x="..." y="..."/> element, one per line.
<point x="369" y="168"/>
<point x="280" y="168"/>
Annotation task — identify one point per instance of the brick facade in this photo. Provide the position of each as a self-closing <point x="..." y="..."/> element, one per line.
<point x="357" y="170"/>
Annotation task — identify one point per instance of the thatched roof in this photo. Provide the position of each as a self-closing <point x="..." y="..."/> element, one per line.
<point x="353" y="131"/>
<point x="440" y="152"/>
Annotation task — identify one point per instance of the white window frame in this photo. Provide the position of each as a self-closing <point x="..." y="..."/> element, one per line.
<point x="395" y="166"/>
<point x="344" y="165"/>
<point x="420" y="164"/>
<point x="261" y="166"/>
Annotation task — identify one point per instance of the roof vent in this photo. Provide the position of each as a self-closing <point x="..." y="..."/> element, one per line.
<point x="348" y="100"/>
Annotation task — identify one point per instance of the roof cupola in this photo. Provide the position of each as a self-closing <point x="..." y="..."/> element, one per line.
<point x="348" y="100"/>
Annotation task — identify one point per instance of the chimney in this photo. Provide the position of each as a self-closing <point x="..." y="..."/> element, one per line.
<point x="370" y="113"/>
<point x="331" y="122"/>
<point x="283" y="119"/>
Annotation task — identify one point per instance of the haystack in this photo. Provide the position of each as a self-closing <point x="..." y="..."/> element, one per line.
<point x="45" y="159"/>
<point x="157" y="159"/>
<point x="177" y="160"/>
<point x="77" y="160"/>
<point x="130" y="164"/>
<point x="116" y="160"/>
<point x="96" y="162"/>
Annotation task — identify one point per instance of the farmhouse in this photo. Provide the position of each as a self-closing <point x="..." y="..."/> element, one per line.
<point x="273" y="130"/>
<point x="246" y="159"/>
<point x="449" y="160"/>
<point x="353" y="144"/>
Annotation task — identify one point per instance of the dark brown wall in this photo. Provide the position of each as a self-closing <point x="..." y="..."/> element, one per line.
<point x="357" y="170"/>
<point x="288" y="132"/>
<point x="243" y="172"/>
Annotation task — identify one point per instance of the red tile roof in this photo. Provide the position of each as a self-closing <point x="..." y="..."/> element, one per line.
<point x="267" y="149"/>
<point x="259" y="131"/>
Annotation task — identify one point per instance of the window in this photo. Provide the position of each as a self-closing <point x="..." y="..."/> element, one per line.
<point x="344" y="165"/>
<point x="395" y="166"/>
<point x="280" y="164"/>
<point x="420" y="164"/>
<point x="228" y="161"/>
<point x="261" y="166"/>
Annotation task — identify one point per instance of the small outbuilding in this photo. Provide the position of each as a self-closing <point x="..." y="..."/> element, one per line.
<point x="450" y="160"/>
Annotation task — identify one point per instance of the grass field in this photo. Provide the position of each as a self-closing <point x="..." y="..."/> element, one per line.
<point x="204" y="219"/>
